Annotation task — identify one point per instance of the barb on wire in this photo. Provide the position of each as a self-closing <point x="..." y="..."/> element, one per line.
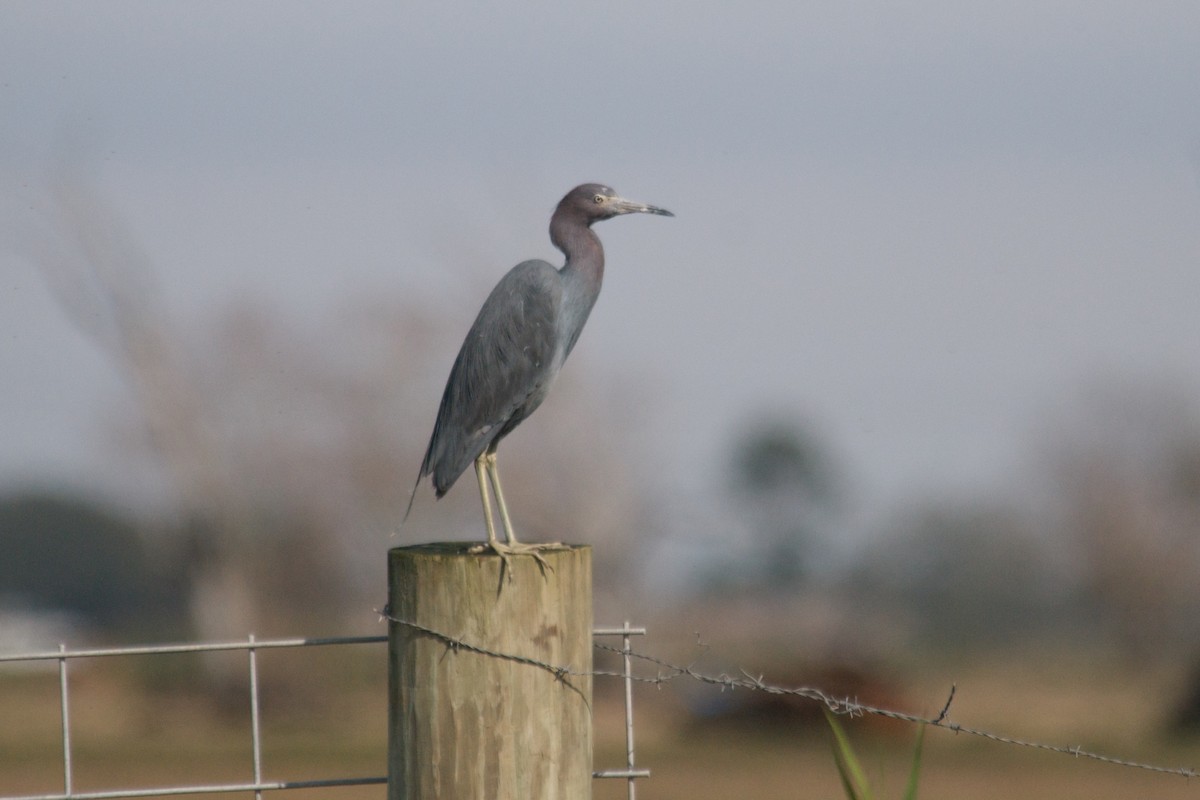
<point x="946" y="708"/>
<point x="845" y="706"/>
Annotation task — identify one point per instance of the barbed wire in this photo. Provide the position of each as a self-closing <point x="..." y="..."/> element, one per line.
<point x="843" y="706"/>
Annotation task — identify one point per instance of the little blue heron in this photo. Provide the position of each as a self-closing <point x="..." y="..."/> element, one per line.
<point x="514" y="350"/>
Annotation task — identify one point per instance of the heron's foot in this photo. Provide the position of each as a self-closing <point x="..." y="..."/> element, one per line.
<point x="506" y="550"/>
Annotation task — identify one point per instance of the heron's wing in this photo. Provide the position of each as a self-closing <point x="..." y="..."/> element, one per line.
<point x="502" y="371"/>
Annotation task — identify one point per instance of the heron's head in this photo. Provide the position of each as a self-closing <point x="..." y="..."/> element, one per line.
<point x="595" y="201"/>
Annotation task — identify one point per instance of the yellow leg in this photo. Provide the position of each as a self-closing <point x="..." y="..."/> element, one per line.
<point x="481" y="473"/>
<point x="494" y="472"/>
<point x="485" y="470"/>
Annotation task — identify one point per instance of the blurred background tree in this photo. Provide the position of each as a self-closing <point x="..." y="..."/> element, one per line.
<point x="64" y="554"/>
<point x="786" y="488"/>
<point x="1127" y="470"/>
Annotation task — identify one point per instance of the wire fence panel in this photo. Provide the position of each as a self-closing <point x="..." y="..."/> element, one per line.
<point x="252" y="646"/>
<point x="636" y="667"/>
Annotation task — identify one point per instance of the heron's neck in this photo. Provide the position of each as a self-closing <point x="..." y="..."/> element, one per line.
<point x="582" y="275"/>
<point x="585" y="256"/>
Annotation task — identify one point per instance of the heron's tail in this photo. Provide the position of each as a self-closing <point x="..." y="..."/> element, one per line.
<point x="412" y="496"/>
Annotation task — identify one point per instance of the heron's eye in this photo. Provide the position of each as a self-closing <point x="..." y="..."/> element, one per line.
<point x="598" y="199"/>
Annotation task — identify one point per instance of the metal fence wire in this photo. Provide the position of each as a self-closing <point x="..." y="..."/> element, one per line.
<point x="663" y="672"/>
<point x="630" y="773"/>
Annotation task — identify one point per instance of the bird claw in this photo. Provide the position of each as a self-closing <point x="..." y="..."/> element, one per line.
<point x="510" y="549"/>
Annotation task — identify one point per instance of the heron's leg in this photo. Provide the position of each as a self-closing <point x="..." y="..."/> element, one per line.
<point x="513" y="545"/>
<point x="481" y="474"/>
<point x="494" y="472"/>
<point x="503" y="551"/>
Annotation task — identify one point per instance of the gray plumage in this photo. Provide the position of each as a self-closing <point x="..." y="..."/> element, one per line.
<point x="503" y="372"/>
<point x="524" y="332"/>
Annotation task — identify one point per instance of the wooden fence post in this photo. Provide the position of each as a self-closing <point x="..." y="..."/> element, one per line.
<point x="464" y="724"/>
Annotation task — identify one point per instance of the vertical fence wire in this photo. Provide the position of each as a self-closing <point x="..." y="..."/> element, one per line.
<point x="630" y="773"/>
<point x="256" y="744"/>
<point x="66" y="719"/>
<point x="627" y="676"/>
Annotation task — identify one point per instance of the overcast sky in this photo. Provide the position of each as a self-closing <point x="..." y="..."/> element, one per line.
<point x="917" y="227"/>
